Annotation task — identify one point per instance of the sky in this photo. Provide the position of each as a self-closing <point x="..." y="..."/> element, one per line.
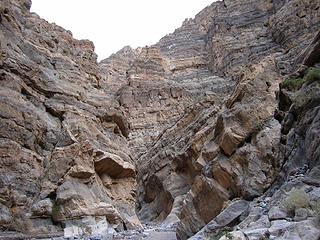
<point x="113" y="24"/>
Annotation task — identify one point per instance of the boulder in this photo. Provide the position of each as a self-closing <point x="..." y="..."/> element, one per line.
<point x="42" y="208"/>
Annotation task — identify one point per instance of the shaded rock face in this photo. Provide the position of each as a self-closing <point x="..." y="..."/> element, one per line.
<point x="172" y="134"/>
<point x="290" y="208"/>
<point x="215" y="154"/>
<point x="230" y="149"/>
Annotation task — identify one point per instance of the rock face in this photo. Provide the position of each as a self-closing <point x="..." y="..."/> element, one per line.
<point x="290" y="207"/>
<point x="64" y="148"/>
<point x="231" y="148"/>
<point x="191" y="133"/>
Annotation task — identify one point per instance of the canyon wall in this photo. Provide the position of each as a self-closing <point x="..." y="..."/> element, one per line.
<point x="178" y="134"/>
<point x="65" y="155"/>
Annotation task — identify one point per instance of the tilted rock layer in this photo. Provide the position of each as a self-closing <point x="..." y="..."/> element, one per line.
<point x="64" y="148"/>
<point x="188" y="133"/>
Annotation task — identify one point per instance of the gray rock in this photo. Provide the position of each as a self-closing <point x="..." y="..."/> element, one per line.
<point x="307" y="229"/>
<point x="228" y="215"/>
<point x="256" y="234"/>
<point x="5" y="216"/>
<point x="301" y="214"/>
<point x="231" y="212"/>
<point x="276" y="213"/>
<point x="95" y="227"/>
<point x="42" y="208"/>
<point x="279" y="227"/>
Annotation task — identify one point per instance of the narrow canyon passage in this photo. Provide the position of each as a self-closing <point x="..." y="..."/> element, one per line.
<point x="211" y="133"/>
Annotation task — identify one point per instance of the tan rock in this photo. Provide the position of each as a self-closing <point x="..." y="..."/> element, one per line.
<point x="113" y="166"/>
<point x="177" y="129"/>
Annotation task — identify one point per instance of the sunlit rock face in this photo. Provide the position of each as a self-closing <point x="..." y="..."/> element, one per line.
<point x="64" y="148"/>
<point x="191" y="132"/>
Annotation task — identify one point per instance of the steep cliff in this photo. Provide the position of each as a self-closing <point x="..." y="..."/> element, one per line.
<point x="64" y="149"/>
<point x="191" y="134"/>
<point x="289" y="209"/>
<point x="227" y="149"/>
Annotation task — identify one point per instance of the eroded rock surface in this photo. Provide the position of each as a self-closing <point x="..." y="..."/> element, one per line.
<point x="191" y="133"/>
<point x="64" y="148"/>
<point x="231" y="149"/>
<point x="290" y="208"/>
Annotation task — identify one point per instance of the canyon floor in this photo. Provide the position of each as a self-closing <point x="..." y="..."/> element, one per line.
<point x="148" y="233"/>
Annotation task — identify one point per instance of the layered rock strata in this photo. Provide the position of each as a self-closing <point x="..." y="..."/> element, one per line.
<point x="229" y="150"/>
<point x="290" y="208"/>
<point x="65" y="156"/>
<point x="191" y="132"/>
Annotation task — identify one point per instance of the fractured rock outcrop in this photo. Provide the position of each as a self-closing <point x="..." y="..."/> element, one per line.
<point x="64" y="150"/>
<point x="290" y="208"/>
<point x="230" y="150"/>
<point x="191" y="133"/>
